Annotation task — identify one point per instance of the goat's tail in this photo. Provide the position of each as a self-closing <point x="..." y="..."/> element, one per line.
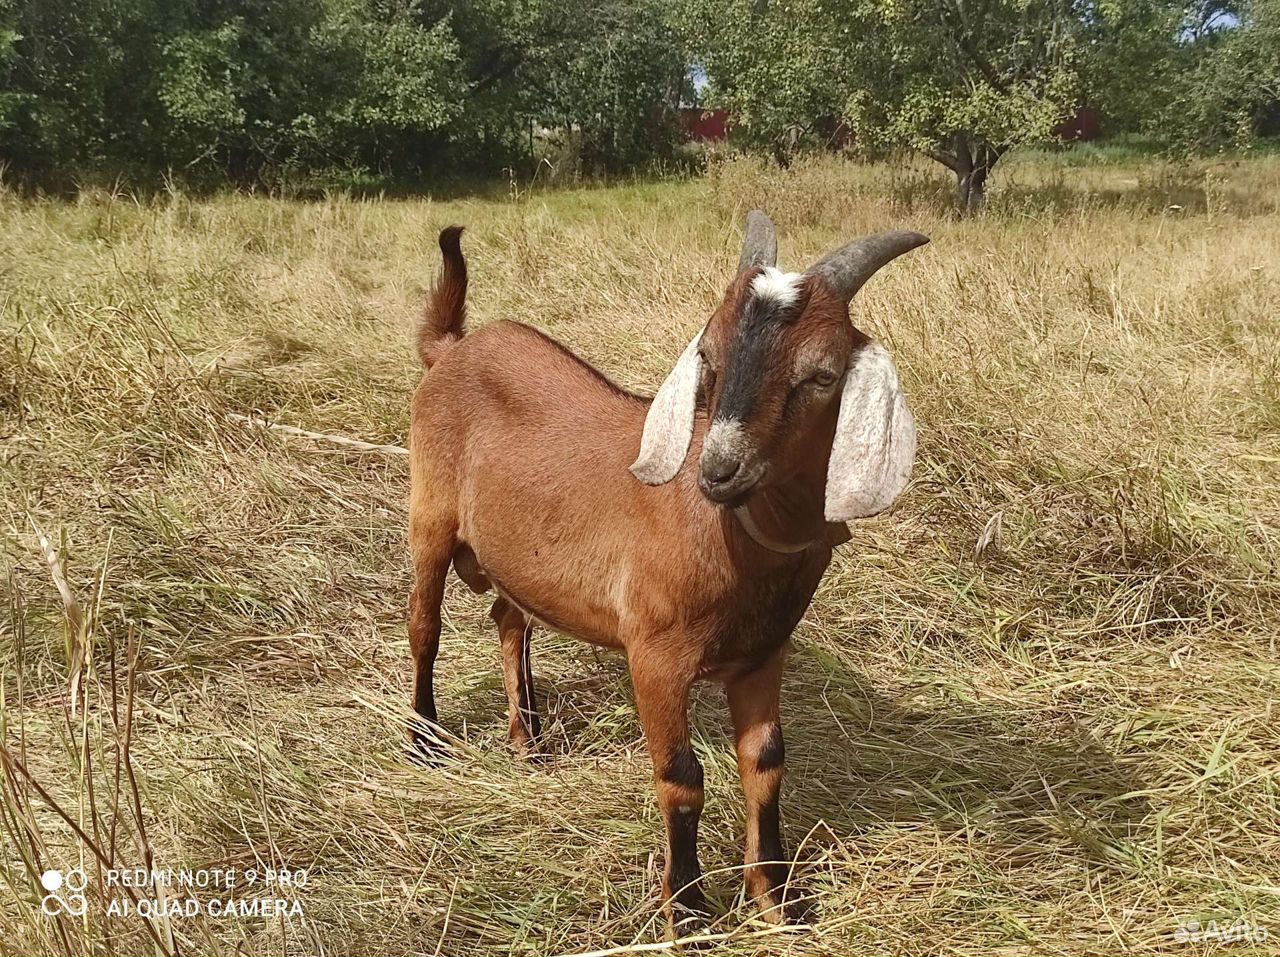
<point x="446" y="311"/>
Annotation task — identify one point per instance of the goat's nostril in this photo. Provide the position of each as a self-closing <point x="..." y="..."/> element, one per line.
<point x="719" y="471"/>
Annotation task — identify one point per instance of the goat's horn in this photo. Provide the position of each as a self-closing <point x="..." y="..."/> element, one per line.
<point x="760" y="245"/>
<point x="846" y="269"/>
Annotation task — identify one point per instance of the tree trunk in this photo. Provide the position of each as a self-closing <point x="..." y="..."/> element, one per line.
<point x="971" y="189"/>
<point x="972" y="161"/>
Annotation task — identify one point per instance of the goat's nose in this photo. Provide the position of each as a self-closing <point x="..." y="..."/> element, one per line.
<point x="719" y="470"/>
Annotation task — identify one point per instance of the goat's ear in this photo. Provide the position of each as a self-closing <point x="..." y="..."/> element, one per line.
<point x="668" y="428"/>
<point x="875" y="442"/>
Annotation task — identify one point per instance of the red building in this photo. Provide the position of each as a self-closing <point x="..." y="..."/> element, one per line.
<point x="1080" y="128"/>
<point x="704" y="126"/>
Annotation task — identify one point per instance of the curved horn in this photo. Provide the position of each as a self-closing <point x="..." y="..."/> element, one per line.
<point x="846" y="269"/>
<point x="760" y="245"/>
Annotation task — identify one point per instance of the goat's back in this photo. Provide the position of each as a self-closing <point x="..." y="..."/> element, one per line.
<point x="511" y="378"/>
<point x="527" y="447"/>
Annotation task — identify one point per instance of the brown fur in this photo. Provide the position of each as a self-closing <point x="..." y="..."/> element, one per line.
<point x="446" y="311"/>
<point x="520" y="455"/>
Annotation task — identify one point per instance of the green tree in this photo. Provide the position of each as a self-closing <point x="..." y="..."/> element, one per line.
<point x="11" y="98"/>
<point x="960" y="81"/>
<point x="780" y="69"/>
<point x="1234" y="84"/>
<point x="69" y="71"/>
<point x="245" y="89"/>
<point x="608" y="69"/>
<point x="252" y="85"/>
<point x="621" y="87"/>
<point x="390" y="86"/>
<point x="235" y="78"/>
<point x="1137" y="54"/>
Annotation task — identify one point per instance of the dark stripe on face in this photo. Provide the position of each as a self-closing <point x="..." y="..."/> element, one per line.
<point x="759" y="328"/>
<point x="683" y="768"/>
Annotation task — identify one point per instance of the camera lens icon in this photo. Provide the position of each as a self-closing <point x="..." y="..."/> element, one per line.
<point x="71" y="900"/>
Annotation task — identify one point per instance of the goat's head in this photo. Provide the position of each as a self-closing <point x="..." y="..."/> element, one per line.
<point x="781" y="369"/>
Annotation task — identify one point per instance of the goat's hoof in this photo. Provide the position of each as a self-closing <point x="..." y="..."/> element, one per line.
<point x="690" y="919"/>
<point x="425" y="751"/>
<point x="535" y="756"/>
<point x="794" y="908"/>
<point x="529" y="749"/>
<point x="525" y="737"/>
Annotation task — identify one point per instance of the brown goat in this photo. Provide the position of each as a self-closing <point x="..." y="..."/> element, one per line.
<point x="534" y="474"/>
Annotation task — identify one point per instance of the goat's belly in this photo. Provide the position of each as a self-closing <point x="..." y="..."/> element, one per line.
<point x="577" y="609"/>
<point x="571" y="622"/>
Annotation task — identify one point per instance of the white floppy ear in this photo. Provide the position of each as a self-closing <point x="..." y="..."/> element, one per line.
<point x="668" y="428"/>
<point x="875" y="442"/>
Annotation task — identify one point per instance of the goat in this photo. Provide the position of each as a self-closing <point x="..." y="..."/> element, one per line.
<point x="522" y="478"/>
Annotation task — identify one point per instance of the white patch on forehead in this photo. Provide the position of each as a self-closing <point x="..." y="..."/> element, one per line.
<point x="781" y="287"/>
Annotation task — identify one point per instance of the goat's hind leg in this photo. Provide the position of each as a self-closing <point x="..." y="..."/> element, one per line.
<point x="432" y="540"/>
<point x="524" y="728"/>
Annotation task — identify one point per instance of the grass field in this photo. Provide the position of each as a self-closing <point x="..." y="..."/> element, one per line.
<point x="1036" y="709"/>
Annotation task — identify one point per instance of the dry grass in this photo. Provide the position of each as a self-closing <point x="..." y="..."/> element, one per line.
<point x="1063" y="741"/>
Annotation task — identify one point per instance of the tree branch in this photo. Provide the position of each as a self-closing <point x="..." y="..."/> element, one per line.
<point x="954" y="20"/>
<point x="945" y="158"/>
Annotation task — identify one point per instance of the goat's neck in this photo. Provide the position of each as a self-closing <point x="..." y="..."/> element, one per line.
<point x="790" y="512"/>
<point x="786" y="518"/>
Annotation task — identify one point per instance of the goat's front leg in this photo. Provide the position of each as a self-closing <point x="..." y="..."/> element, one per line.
<point x="753" y="701"/>
<point x="662" y="699"/>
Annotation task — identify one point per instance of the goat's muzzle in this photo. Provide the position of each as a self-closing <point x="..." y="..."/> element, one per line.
<point x="729" y="467"/>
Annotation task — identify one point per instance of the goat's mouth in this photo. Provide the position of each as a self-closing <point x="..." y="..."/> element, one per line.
<point x="732" y="490"/>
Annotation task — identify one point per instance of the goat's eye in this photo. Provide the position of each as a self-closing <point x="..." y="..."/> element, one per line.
<point x="823" y="378"/>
